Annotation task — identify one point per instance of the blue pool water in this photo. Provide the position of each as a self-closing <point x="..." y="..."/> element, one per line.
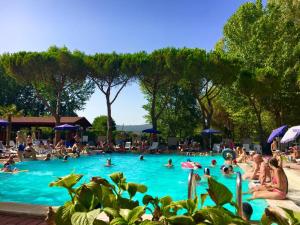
<point x="32" y="187"/>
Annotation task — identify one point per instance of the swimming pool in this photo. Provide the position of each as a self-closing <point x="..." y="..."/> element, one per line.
<point x="32" y="186"/>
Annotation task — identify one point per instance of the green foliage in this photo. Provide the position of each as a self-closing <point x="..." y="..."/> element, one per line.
<point x="57" y="78"/>
<point x="100" y="125"/>
<point x="265" y="40"/>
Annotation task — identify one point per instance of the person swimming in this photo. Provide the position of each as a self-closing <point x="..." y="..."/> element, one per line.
<point x="65" y="158"/>
<point x="7" y="167"/>
<point x="169" y="163"/>
<point x="108" y="162"/>
<point x="48" y="157"/>
<point x="206" y="172"/>
<point x="225" y="171"/>
<point x="230" y="168"/>
<point x="213" y="163"/>
<point x="141" y="157"/>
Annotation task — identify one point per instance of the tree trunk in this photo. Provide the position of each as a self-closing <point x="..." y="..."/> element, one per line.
<point x="153" y="111"/>
<point x="57" y="132"/>
<point x="259" y="121"/>
<point x="109" y="120"/>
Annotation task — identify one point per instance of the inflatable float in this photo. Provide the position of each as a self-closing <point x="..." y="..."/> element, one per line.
<point x="227" y="151"/>
<point x="190" y="165"/>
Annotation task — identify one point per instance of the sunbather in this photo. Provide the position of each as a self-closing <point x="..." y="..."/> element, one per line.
<point x="279" y="186"/>
<point x="254" y="174"/>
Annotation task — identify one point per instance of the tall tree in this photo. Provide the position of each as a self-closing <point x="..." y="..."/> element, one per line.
<point x="53" y="74"/>
<point x="156" y="80"/>
<point x="111" y="73"/>
<point x="267" y="39"/>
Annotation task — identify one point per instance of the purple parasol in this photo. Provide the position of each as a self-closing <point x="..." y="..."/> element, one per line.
<point x="278" y="132"/>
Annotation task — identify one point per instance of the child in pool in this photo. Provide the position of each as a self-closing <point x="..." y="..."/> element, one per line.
<point x="169" y="163"/>
<point x="108" y="162"/>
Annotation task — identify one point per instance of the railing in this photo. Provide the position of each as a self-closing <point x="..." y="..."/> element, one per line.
<point x="191" y="185"/>
<point x="239" y="193"/>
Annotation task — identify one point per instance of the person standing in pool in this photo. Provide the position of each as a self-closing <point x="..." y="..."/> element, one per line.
<point x="141" y="157"/>
<point x="20" y="143"/>
<point x="108" y="162"/>
<point x="169" y="163"/>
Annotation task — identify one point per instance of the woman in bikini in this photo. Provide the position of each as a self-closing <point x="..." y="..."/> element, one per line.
<point x="278" y="188"/>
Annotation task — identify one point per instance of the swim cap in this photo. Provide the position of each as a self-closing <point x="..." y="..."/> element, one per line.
<point x="206" y="171"/>
<point x="213" y="161"/>
<point x="234" y="161"/>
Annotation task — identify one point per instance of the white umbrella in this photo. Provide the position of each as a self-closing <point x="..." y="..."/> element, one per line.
<point x="291" y="134"/>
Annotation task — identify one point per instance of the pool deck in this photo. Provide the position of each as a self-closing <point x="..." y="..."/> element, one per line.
<point x="293" y="198"/>
<point x="27" y="214"/>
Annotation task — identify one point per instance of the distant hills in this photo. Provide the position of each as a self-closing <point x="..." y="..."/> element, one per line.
<point x="133" y="128"/>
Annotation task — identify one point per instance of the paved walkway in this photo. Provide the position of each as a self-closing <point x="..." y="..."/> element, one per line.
<point x="20" y="220"/>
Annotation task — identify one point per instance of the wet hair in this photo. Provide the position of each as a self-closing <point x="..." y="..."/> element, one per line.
<point x="225" y="169"/>
<point x="141" y="157"/>
<point x="206" y="171"/>
<point x="170" y="160"/>
<point x="247" y="210"/>
<point x="230" y="167"/>
<point x="274" y="162"/>
<point x="66" y="157"/>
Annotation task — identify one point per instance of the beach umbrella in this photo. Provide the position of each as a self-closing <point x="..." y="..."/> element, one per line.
<point x="151" y="131"/>
<point x="210" y="132"/>
<point x="3" y="123"/>
<point x="278" y="132"/>
<point x="291" y="134"/>
<point x="66" y="127"/>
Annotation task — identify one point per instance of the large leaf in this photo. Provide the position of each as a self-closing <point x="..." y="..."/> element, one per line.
<point x="87" y="197"/>
<point x="117" y="177"/>
<point x="112" y="212"/>
<point x="293" y="216"/>
<point x="67" y="181"/>
<point x="132" y="189"/>
<point x="148" y="222"/>
<point x="165" y="200"/>
<point x="142" y="188"/>
<point x="135" y="214"/>
<point x="147" y="199"/>
<point x="64" y="213"/>
<point x="203" y="198"/>
<point x="219" y="193"/>
<point x="126" y="203"/>
<point x="85" y="218"/>
<point x="181" y="220"/>
<point x="118" y="221"/>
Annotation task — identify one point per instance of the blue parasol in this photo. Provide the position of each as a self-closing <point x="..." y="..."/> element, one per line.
<point x="278" y="132"/>
<point x="151" y="131"/>
<point x="3" y="123"/>
<point x="210" y="132"/>
<point x="66" y="127"/>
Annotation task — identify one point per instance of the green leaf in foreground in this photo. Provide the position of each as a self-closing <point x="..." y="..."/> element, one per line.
<point x="218" y="192"/>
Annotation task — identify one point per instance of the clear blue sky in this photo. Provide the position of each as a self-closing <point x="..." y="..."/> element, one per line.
<point x="113" y="25"/>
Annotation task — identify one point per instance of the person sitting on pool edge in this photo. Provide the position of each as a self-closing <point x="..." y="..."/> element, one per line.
<point x="254" y="174"/>
<point x="169" y="163"/>
<point x="278" y="188"/>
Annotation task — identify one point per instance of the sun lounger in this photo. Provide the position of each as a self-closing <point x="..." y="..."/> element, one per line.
<point x="153" y="147"/>
<point x="128" y="146"/>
